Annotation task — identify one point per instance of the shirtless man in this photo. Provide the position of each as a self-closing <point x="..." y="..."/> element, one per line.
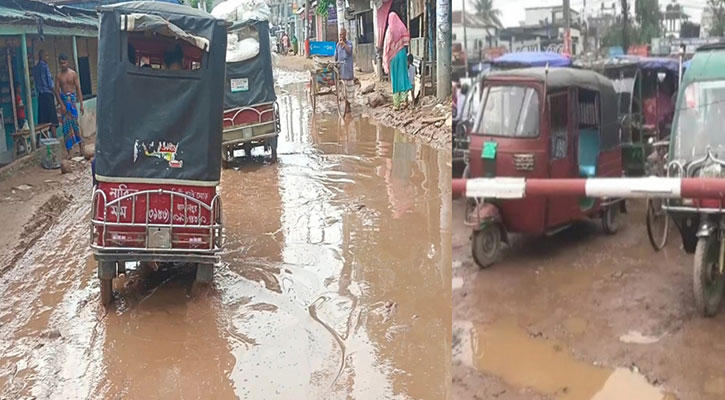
<point x="68" y="92"/>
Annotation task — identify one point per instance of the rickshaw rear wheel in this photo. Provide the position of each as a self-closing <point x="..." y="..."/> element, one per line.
<point x="273" y="145"/>
<point x="610" y="225"/>
<point x="247" y="147"/>
<point x="204" y="273"/>
<point x="486" y="245"/>
<point x="106" y="291"/>
<point x="708" y="282"/>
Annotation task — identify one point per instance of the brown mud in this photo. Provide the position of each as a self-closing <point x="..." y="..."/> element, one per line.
<point x="335" y="284"/>
<point x="429" y="121"/>
<point x="582" y="315"/>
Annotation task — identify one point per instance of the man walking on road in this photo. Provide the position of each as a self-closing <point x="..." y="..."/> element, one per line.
<point x="68" y="91"/>
<point x="343" y="55"/>
<point x="46" y="92"/>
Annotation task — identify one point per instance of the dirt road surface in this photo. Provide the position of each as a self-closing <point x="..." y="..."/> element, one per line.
<point x="582" y="315"/>
<point x="335" y="284"/>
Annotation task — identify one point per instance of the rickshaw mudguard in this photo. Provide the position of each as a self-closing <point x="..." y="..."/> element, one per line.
<point x="488" y="214"/>
<point x="706" y="229"/>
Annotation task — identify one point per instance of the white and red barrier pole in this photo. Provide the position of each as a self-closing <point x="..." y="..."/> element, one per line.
<point x="517" y="188"/>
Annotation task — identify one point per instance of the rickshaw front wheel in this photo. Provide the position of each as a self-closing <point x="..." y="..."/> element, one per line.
<point x="486" y="245"/>
<point x="106" y="291"/>
<point x="610" y="222"/>
<point x="708" y="282"/>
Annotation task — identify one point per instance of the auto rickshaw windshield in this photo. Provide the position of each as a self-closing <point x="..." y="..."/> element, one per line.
<point x="699" y="121"/>
<point x="510" y="111"/>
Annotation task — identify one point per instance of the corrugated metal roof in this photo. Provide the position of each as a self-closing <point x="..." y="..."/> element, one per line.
<point x="26" y="12"/>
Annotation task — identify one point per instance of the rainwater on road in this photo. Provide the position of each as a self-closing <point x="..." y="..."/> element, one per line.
<point x="335" y="284"/>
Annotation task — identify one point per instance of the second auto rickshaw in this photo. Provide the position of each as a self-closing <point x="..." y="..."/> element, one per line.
<point x="542" y="123"/>
<point x="697" y="150"/>
<point x="251" y="113"/>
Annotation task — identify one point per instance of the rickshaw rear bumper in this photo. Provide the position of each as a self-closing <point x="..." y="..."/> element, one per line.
<point x="156" y="256"/>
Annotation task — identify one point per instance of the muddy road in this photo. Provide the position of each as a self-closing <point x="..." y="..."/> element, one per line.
<point x="582" y="315"/>
<point x="335" y="285"/>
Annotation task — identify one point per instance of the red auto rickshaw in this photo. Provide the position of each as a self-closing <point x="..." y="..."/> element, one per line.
<point x="158" y="151"/>
<point x="542" y="123"/>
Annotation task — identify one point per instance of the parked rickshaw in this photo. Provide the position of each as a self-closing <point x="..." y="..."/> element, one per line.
<point x="157" y="162"/>
<point x="462" y="124"/>
<point x="637" y="82"/>
<point x="251" y="113"/>
<point x="542" y="123"/>
<point x="325" y="81"/>
<point x="697" y="149"/>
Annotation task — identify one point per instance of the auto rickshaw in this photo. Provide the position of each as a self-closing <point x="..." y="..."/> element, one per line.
<point x="462" y="124"/>
<point x="697" y="149"/>
<point x="251" y="113"/>
<point x="637" y="81"/>
<point x="542" y="123"/>
<point x="157" y="160"/>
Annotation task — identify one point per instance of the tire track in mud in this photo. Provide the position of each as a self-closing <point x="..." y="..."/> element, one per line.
<point x="42" y="219"/>
<point x="51" y="325"/>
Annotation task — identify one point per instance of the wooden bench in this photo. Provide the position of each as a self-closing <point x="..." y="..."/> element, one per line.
<point x="24" y="136"/>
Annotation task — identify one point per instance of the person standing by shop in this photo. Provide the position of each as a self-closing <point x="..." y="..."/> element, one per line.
<point x="46" y="93"/>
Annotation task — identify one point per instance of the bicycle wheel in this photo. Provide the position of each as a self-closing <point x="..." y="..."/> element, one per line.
<point x="658" y="224"/>
<point x="340" y="94"/>
<point x="313" y="99"/>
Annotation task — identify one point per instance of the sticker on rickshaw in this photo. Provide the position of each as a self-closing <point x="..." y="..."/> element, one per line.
<point x="489" y="150"/>
<point x="163" y="150"/>
<point x="239" y="84"/>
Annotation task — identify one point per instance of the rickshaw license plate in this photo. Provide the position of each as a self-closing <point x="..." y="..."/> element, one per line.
<point x="239" y="84"/>
<point x="489" y="150"/>
<point x="159" y="238"/>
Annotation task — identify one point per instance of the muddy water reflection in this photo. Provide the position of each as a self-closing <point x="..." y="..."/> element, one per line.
<point x="336" y="286"/>
<point x="507" y="351"/>
<point x="344" y="290"/>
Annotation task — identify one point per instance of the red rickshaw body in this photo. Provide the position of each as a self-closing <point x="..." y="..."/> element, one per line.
<point x="566" y="117"/>
<point x="168" y="218"/>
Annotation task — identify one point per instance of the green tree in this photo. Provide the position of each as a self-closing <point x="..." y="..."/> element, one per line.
<point x="485" y="11"/>
<point x="323" y="7"/>
<point x="209" y="4"/>
<point x="647" y="15"/>
<point x="717" y="7"/>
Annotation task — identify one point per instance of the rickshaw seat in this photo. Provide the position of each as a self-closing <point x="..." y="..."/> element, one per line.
<point x="588" y="152"/>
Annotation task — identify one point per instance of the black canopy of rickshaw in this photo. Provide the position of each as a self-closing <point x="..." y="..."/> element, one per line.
<point x="154" y="125"/>
<point x="563" y="78"/>
<point x="255" y="73"/>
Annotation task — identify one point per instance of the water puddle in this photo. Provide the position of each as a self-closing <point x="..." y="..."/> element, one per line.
<point x="504" y="349"/>
<point x="636" y="337"/>
<point x="335" y="284"/>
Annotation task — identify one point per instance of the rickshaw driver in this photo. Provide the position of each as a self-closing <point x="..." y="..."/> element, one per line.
<point x="174" y="57"/>
<point x="343" y="54"/>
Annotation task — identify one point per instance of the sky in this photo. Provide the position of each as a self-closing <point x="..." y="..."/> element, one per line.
<point x="512" y="11"/>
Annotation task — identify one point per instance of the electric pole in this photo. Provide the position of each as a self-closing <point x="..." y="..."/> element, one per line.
<point x="465" y="38"/>
<point x="307" y="29"/>
<point x="625" y="24"/>
<point x="567" y="29"/>
<point x="443" y="58"/>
